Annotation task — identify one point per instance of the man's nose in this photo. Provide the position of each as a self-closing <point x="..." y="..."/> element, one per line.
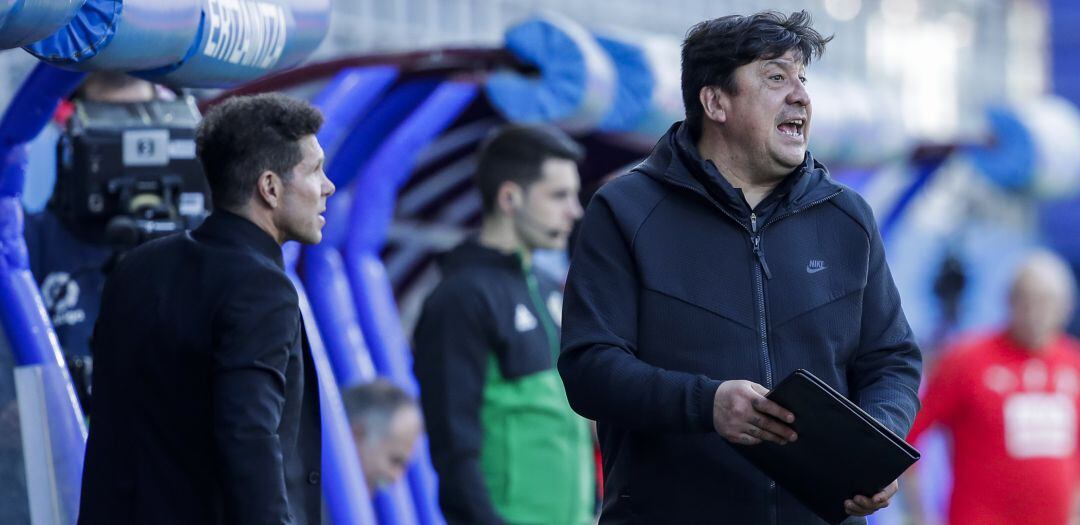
<point x="799" y="95"/>
<point x="576" y="212"/>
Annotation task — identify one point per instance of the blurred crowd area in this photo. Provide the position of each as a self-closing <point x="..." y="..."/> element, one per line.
<point x="956" y="119"/>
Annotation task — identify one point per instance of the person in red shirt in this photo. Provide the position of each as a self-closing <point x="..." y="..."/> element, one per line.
<point x="1009" y="401"/>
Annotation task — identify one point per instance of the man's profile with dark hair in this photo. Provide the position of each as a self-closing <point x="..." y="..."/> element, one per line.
<point x="516" y="153"/>
<point x="206" y="405"/>
<point x="487" y="340"/>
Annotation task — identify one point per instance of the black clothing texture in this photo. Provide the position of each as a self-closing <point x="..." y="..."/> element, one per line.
<point x="206" y="406"/>
<point x="677" y="285"/>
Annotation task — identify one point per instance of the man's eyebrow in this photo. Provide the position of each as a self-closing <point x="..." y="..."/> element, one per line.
<point x="784" y="64"/>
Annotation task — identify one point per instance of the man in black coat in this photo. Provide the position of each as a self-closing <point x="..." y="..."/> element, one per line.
<point x="206" y="402"/>
<point x="721" y="264"/>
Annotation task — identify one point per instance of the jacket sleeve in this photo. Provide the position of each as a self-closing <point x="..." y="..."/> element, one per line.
<point x="254" y="332"/>
<point x="604" y="378"/>
<point x="451" y="349"/>
<point x="885" y="371"/>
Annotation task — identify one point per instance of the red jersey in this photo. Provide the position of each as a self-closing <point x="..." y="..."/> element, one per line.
<point x="1012" y="415"/>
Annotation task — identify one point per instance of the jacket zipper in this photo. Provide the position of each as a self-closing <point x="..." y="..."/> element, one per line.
<point x="541" y="310"/>
<point x="547" y="322"/>
<point x="766" y="360"/>
<point x="759" y="288"/>
<point x="759" y="300"/>
<point x="755" y="237"/>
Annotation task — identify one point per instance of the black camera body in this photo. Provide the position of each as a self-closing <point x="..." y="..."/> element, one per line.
<point x="127" y="172"/>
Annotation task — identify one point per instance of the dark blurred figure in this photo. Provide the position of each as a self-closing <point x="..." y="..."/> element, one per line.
<point x="1009" y="401"/>
<point x="385" y="423"/>
<point x="504" y="441"/>
<point x="206" y="406"/>
<point x="68" y="258"/>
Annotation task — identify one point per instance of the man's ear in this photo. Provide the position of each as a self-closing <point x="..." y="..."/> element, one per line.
<point x="713" y="102"/>
<point x="269" y="187"/>
<point x="509" y="198"/>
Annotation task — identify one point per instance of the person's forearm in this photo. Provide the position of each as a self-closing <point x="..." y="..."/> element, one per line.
<point x="889" y="394"/>
<point x="609" y="385"/>
<point x="248" y="403"/>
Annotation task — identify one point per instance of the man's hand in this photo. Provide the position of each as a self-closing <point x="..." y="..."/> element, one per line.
<point x="742" y="415"/>
<point x="864" y="506"/>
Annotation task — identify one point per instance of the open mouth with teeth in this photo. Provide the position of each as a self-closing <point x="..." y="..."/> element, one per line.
<point x="792" y="127"/>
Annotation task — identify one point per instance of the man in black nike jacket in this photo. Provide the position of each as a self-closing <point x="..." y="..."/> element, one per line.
<point x="725" y="261"/>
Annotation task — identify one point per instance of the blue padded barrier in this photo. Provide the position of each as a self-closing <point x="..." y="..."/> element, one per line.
<point x="344" y="488"/>
<point x="325" y="275"/>
<point x="925" y="170"/>
<point x="648" y="96"/>
<point x="323" y="269"/>
<point x="376" y="189"/>
<point x="197" y="43"/>
<point x="246" y="39"/>
<point x="332" y="304"/>
<point x="344" y="101"/>
<point x="635" y="86"/>
<point x="577" y="80"/>
<point x="1009" y="161"/>
<point x="123" y="35"/>
<point x="23" y="318"/>
<point x="25" y="21"/>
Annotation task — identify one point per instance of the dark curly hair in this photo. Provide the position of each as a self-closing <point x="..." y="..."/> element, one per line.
<point x="243" y="136"/>
<point x="714" y="49"/>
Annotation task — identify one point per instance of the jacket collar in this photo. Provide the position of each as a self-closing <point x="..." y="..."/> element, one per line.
<point x="675" y="160"/>
<point x="231" y="229"/>
<point x="471" y="254"/>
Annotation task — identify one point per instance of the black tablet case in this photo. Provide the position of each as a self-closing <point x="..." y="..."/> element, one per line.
<point x="841" y="451"/>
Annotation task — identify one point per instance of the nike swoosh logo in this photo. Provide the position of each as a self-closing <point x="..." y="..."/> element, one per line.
<point x="815" y="270"/>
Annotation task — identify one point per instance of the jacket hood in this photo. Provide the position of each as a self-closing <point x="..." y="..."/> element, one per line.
<point x="676" y="161"/>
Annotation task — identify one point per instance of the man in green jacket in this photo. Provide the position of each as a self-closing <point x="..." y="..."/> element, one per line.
<point x="506" y="445"/>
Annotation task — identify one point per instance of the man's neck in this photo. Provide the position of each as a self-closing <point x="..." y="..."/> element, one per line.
<point x="735" y="169"/>
<point x="262" y="220"/>
<point x="497" y="233"/>
<point x="1035" y="346"/>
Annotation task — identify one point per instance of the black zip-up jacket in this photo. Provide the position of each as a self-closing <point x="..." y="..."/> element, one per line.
<point x="677" y="285"/>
